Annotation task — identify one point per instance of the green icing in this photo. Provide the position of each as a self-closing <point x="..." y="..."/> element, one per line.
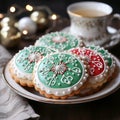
<point x="25" y="59"/>
<point x="60" y="70"/>
<point x="47" y="40"/>
<point x="103" y="53"/>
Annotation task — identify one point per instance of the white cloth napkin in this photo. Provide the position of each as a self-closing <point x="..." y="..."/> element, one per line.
<point x="12" y="106"/>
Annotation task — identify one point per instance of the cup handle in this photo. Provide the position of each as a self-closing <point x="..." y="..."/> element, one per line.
<point x="115" y="35"/>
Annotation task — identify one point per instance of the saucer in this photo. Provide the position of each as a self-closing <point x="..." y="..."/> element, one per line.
<point x="115" y="39"/>
<point x="30" y="93"/>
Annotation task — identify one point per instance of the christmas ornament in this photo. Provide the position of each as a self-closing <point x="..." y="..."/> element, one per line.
<point x="26" y="24"/>
<point x="10" y="36"/>
<point x="40" y="18"/>
<point x="8" y="21"/>
<point x="36" y="15"/>
<point x="1" y="17"/>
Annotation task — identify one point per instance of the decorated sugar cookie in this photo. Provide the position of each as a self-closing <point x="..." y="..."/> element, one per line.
<point x="60" y="75"/>
<point x="22" y="64"/>
<point x="98" y="67"/>
<point x="107" y="56"/>
<point x="59" y="41"/>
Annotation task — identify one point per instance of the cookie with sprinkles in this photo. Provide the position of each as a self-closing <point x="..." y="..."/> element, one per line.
<point x="59" y="41"/>
<point x="98" y="68"/>
<point x="22" y="64"/>
<point x="60" y="75"/>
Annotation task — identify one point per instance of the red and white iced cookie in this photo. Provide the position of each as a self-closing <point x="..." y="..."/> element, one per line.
<point x="98" y="68"/>
<point x="107" y="56"/>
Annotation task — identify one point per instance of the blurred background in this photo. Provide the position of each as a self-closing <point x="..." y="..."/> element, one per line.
<point x="55" y="20"/>
<point x="57" y="6"/>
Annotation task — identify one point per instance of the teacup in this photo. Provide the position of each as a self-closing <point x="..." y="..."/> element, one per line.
<point x="89" y="21"/>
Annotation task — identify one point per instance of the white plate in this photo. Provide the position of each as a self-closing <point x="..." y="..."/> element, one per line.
<point x="115" y="39"/>
<point x="30" y="93"/>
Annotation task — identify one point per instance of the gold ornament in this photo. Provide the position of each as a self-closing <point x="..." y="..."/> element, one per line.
<point x="36" y="15"/>
<point x="1" y="17"/>
<point x="40" y="18"/>
<point x="0" y="26"/>
<point x="8" y="21"/>
<point x="10" y="36"/>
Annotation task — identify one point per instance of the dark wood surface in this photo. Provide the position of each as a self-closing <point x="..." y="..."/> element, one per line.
<point x="104" y="109"/>
<point x="107" y="108"/>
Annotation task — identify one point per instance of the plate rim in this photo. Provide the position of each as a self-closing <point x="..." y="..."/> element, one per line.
<point x="43" y="99"/>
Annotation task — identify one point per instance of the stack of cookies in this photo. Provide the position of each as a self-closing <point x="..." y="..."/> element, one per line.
<point x="59" y="66"/>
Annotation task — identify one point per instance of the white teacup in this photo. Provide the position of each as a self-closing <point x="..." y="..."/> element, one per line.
<point x="89" y="21"/>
